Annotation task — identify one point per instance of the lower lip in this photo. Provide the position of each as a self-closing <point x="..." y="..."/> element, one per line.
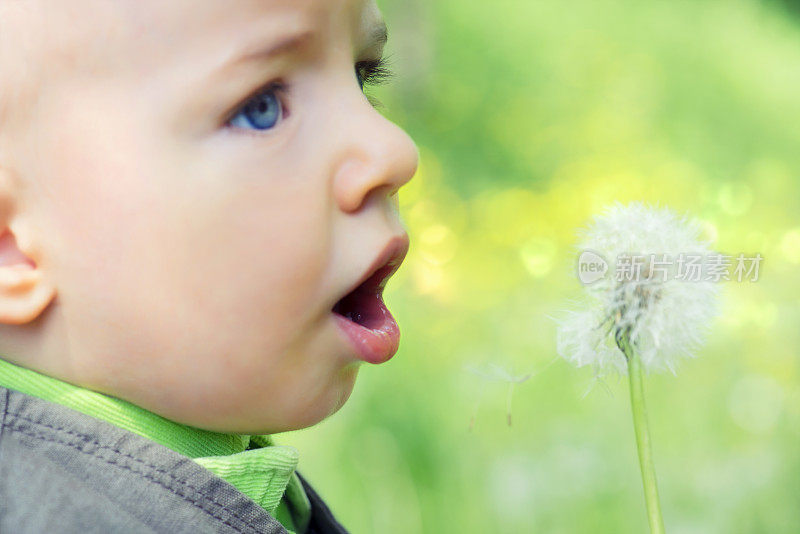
<point x="372" y="345"/>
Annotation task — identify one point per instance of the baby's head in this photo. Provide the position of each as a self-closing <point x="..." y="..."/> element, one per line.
<point x="187" y="192"/>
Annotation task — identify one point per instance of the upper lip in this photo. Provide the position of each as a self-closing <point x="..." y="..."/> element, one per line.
<point x="385" y="264"/>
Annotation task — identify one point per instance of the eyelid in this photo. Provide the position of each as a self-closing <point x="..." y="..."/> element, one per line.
<point x="281" y="89"/>
<point x="377" y="73"/>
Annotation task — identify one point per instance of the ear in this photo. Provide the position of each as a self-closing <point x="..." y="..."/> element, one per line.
<point x="24" y="290"/>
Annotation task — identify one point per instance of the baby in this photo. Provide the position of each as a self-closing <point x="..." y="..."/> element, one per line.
<point x="199" y="214"/>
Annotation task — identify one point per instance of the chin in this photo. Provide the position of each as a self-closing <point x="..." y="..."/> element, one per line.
<point x="331" y="401"/>
<point x="347" y="389"/>
<point x="305" y="412"/>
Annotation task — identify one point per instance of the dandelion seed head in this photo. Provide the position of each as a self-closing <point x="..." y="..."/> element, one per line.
<point x="663" y="317"/>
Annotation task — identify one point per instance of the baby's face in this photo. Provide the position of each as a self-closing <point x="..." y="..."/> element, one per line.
<point x="207" y="182"/>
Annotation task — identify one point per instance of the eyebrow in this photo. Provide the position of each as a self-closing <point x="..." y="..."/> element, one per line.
<point x="285" y="45"/>
<point x="378" y="37"/>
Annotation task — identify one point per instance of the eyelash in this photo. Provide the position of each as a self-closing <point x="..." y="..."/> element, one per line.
<point x="373" y="72"/>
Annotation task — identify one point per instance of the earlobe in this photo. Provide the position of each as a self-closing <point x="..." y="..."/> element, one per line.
<point x="24" y="290"/>
<point x="24" y="294"/>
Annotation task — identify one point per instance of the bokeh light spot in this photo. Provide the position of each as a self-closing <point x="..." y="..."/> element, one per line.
<point x="437" y="244"/>
<point x="790" y="245"/>
<point x="755" y="403"/>
<point x="537" y="255"/>
<point x="735" y="199"/>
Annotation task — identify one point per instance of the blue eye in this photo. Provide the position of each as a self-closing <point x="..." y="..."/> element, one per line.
<point x="261" y="112"/>
<point x="359" y="78"/>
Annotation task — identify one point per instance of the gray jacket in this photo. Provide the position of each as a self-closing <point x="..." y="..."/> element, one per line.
<point x="66" y="472"/>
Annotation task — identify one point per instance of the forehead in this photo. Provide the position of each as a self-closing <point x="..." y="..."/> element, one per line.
<point x="233" y="18"/>
<point x="157" y="30"/>
<point x="44" y="40"/>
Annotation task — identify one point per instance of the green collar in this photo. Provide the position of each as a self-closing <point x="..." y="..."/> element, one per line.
<point x="263" y="471"/>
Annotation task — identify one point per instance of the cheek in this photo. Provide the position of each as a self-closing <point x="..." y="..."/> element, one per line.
<point x="182" y="252"/>
<point x="97" y="205"/>
<point x="175" y="264"/>
<point x="258" y="252"/>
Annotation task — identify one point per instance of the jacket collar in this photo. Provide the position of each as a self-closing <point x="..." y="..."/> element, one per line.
<point x="189" y="441"/>
<point x="253" y="464"/>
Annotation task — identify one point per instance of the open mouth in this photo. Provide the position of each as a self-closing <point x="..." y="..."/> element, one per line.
<point x="362" y="314"/>
<point x="364" y="305"/>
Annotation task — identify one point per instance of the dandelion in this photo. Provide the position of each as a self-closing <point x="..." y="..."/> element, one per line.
<point x="645" y="314"/>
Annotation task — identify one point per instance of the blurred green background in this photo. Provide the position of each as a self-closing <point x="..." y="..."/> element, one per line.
<point x="531" y="117"/>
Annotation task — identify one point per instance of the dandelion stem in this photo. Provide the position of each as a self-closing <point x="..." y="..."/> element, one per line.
<point x="643" y="439"/>
<point x="508" y="403"/>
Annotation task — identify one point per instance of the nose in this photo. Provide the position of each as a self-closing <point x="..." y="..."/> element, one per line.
<point x="377" y="158"/>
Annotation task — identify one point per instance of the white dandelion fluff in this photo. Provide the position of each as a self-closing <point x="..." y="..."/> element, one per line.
<point x="659" y="293"/>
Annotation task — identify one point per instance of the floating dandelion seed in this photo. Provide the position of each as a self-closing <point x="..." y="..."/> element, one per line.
<point x="493" y="372"/>
<point x="644" y="316"/>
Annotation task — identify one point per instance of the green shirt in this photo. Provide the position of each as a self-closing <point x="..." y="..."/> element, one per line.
<point x="257" y="467"/>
